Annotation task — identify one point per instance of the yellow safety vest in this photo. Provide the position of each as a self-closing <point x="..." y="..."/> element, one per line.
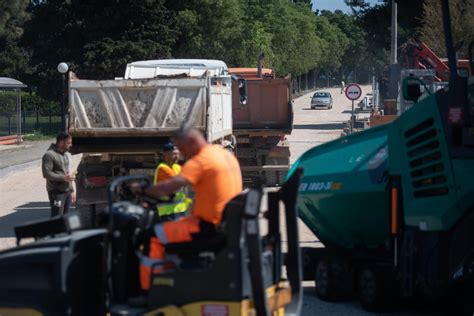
<point x="181" y="202"/>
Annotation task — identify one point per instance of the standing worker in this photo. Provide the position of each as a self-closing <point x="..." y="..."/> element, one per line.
<point x="59" y="180"/>
<point x="215" y="176"/>
<point x="168" y="168"/>
<point x="343" y="85"/>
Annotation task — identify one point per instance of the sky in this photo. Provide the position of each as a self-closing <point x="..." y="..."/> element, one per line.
<point x="333" y="5"/>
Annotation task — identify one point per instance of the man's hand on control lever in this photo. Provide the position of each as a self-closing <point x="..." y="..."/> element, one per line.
<point x="164" y="188"/>
<point x="137" y="188"/>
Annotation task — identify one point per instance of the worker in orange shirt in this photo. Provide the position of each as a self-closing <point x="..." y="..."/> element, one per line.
<point x="215" y="176"/>
<point x="168" y="168"/>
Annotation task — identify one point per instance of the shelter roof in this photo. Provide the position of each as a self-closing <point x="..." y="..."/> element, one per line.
<point x="11" y="83"/>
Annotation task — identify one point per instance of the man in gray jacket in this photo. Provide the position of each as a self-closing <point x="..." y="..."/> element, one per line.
<point x="59" y="178"/>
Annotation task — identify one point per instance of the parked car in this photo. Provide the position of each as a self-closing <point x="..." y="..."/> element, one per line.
<point x="367" y="102"/>
<point x="321" y="100"/>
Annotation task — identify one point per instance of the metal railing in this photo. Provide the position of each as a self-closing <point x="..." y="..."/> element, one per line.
<point x="32" y="122"/>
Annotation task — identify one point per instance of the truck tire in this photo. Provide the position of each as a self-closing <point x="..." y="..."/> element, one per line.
<point x="334" y="281"/>
<point x="376" y="289"/>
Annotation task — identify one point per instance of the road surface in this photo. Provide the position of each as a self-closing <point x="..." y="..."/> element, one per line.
<point x="23" y="196"/>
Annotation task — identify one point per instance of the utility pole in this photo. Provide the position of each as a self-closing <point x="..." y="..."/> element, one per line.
<point x="393" y="47"/>
<point x="392" y="93"/>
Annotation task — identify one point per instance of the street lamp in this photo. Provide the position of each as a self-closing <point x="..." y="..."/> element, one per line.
<point x="63" y="69"/>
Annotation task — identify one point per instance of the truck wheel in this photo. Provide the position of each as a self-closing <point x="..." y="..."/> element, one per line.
<point x="376" y="289"/>
<point x="333" y="280"/>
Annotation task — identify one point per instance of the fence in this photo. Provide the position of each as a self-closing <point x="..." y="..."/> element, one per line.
<point x="31" y="122"/>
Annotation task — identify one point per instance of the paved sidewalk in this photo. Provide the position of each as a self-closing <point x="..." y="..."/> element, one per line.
<point x="18" y="157"/>
<point x="25" y="152"/>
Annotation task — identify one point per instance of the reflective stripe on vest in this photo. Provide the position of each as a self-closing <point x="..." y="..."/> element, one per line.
<point x="181" y="202"/>
<point x="149" y="262"/>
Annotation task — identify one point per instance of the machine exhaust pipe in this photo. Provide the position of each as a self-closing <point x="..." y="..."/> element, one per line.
<point x="259" y="65"/>
<point x="448" y="37"/>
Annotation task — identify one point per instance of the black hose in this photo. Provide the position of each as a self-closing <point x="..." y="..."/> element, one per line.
<point x="448" y="36"/>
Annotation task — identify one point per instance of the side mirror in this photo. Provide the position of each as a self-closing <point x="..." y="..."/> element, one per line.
<point x="243" y="90"/>
<point x="411" y="89"/>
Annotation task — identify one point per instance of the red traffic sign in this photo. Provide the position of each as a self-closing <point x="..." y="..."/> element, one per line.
<point x="353" y="91"/>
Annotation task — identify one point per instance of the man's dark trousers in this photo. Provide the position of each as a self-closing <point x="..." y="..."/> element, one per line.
<point x="59" y="202"/>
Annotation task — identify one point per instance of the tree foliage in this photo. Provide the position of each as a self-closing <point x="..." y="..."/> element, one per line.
<point x="98" y="38"/>
<point x="12" y="14"/>
<point x="13" y="58"/>
<point x="354" y="47"/>
<point x="334" y="43"/>
<point x="29" y="102"/>
<point x="239" y="31"/>
<point x="462" y="20"/>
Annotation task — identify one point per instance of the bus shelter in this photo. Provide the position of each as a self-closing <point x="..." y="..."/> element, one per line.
<point x="13" y="84"/>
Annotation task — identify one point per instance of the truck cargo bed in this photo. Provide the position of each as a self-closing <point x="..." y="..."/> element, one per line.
<point x="268" y="107"/>
<point x="140" y="112"/>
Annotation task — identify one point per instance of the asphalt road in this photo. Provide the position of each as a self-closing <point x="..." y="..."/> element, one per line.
<point x="23" y="196"/>
<point x="11" y="155"/>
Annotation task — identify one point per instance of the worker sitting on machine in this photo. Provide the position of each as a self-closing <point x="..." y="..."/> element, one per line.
<point x="215" y="176"/>
<point x="168" y="168"/>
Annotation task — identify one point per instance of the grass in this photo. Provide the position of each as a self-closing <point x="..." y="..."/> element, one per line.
<point x="38" y="136"/>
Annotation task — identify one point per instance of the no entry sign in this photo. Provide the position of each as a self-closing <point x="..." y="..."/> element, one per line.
<point x="353" y="91"/>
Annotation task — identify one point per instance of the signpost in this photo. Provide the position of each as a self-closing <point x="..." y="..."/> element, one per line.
<point x="353" y="92"/>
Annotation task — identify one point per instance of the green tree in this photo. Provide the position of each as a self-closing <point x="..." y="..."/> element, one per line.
<point x="355" y="49"/>
<point x="294" y="41"/>
<point x="12" y="13"/>
<point x="97" y="39"/>
<point x="334" y="44"/>
<point x="238" y="31"/>
<point x="462" y="25"/>
<point x="375" y="21"/>
<point x="13" y="58"/>
<point x="287" y="36"/>
<point x="209" y="29"/>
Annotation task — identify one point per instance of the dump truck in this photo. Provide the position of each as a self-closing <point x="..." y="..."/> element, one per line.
<point x="394" y="204"/>
<point x="120" y="125"/>
<point x="260" y="125"/>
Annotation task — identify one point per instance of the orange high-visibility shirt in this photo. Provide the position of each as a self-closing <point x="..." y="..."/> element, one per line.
<point x="164" y="171"/>
<point x="216" y="178"/>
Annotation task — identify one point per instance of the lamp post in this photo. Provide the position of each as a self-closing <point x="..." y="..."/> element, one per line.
<point x="63" y="69"/>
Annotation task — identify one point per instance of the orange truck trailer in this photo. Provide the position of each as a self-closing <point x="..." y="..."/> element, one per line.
<point x="260" y="125"/>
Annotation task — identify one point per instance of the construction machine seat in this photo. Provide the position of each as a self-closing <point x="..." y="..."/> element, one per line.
<point x="215" y="260"/>
<point x="214" y="239"/>
<point x="214" y="244"/>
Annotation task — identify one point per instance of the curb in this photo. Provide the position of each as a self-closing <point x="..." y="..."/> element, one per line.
<point x="4" y="172"/>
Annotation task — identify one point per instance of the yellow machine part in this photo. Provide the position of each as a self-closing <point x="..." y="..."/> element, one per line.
<point x="19" y="312"/>
<point x="278" y="296"/>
